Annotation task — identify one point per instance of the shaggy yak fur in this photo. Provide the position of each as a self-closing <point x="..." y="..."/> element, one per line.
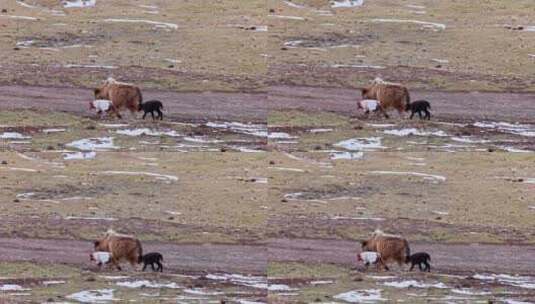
<point x="388" y="94"/>
<point x="121" y="247"/>
<point x="390" y="247"/>
<point x="122" y="95"/>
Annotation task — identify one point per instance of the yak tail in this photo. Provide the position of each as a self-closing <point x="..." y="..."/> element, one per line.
<point x="140" y="95"/>
<point x="407" y="252"/>
<point x="139" y="252"/>
<point x="407" y="98"/>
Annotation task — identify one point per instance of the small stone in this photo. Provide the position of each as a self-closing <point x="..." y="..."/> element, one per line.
<point x="270" y="10"/>
<point x="271" y="162"/>
<point x="4" y="162"/>
<point x="16" y="200"/>
<point x="91" y="127"/>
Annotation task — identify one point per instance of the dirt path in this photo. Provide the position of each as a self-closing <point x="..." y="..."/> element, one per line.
<point x="253" y="259"/>
<point x="446" y="105"/>
<point x="255" y="106"/>
<point x="196" y="106"/>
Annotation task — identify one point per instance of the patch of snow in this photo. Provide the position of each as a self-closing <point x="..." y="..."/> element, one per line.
<point x="19" y="17"/>
<point x="287" y="17"/>
<point x="514" y="150"/>
<point x="79" y="155"/>
<point x="436" y="26"/>
<point x="346" y="155"/>
<point x="380" y="125"/>
<point x="324" y="282"/>
<point x="468" y="291"/>
<point x="280" y="135"/>
<point x="79" y="3"/>
<point x="13" y="135"/>
<point x="517" y="129"/>
<point x="247" y="150"/>
<point x="134" y="173"/>
<point x="157" y="23"/>
<point x="297" y="197"/>
<point x="346" y="3"/>
<point x="286" y="169"/>
<point x="199" y="291"/>
<point x="381" y="277"/>
<point x="148" y="132"/>
<point x="414" y="284"/>
<point x="238" y="279"/>
<point x="237" y="127"/>
<point x="25" y="4"/>
<point x="47" y="283"/>
<point x="291" y="4"/>
<point x="529" y="28"/>
<point x="517" y="281"/>
<point x="261" y="28"/>
<point x="54" y="130"/>
<point x="424" y="175"/>
<point x="12" y="287"/>
<point x="415" y="6"/>
<point x="113" y="125"/>
<point x="147" y="284"/>
<point x="469" y="139"/>
<point x="511" y="301"/>
<point x="112" y="278"/>
<point x="320" y="130"/>
<point x="361" y="144"/>
<point x="201" y="139"/>
<point x="440" y="60"/>
<point x="414" y="131"/>
<point x="22" y="169"/>
<point x="173" y="212"/>
<point x="361" y="296"/>
<point x="93" y="296"/>
<point x="93" y="144"/>
<point x="440" y="212"/>
<point x="279" y="287"/>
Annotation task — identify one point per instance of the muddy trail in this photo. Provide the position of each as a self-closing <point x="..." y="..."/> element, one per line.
<point x="255" y="107"/>
<point x="447" y="258"/>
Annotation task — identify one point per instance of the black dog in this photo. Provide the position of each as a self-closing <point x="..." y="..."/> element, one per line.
<point x="420" y="258"/>
<point x="419" y="106"/>
<point x="152" y="106"/>
<point x="152" y="258"/>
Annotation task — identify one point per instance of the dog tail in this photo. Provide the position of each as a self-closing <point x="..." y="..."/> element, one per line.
<point x="139" y="252"/>
<point x="407" y="252"/>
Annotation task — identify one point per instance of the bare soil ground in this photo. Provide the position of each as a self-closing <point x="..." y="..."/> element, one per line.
<point x="254" y="107"/>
